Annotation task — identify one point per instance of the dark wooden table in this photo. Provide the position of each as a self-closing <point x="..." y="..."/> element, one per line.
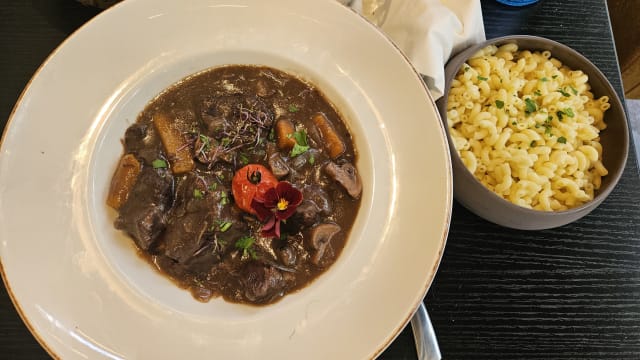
<point x="571" y="292"/>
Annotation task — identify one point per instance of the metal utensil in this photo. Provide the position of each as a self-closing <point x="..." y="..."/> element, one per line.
<point x="424" y="335"/>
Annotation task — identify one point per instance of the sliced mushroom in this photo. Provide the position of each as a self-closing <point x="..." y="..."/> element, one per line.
<point x="278" y="166"/>
<point x="321" y="236"/>
<point x="287" y="255"/>
<point x="347" y="176"/>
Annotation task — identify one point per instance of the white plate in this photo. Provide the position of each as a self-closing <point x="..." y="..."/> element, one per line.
<point x="78" y="283"/>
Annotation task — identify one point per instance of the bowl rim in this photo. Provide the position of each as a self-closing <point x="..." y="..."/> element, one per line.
<point x="452" y="68"/>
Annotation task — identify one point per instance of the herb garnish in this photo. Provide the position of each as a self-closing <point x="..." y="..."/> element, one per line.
<point x="301" y="145"/>
<point x="568" y="112"/>
<point x="293" y="108"/>
<point x="573" y="90"/>
<point x="562" y="140"/>
<point x="159" y="164"/>
<point x="206" y="141"/>
<point x="197" y="193"/>
<point x="544" y="79"/>
<point x="533" y="143"/>
<point x="563" y="92"/>
<point x="499" y="104"/>
<point x="225" y="225"/>
<point x="537" y="93"/>
<point x="244" y="160"/>
<point x="482" y="78"/>
<point x="530" y="106"/>
<point x="224" y="200"/>
<point x="245" y="244"/>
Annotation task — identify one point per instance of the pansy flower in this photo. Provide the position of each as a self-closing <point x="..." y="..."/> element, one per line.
<point x="276" y="205"/>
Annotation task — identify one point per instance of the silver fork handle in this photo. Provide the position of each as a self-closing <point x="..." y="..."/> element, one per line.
<point x="424" y="335"/>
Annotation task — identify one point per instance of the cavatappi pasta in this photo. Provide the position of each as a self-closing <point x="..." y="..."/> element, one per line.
<point x="528" y="127"/>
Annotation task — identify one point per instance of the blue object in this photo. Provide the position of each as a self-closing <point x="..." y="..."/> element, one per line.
<point x="517" y="2"/>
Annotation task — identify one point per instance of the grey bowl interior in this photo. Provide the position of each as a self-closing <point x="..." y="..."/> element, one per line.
<point x="614" y="139"/>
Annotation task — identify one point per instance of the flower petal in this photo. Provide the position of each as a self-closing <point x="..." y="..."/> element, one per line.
<point x="261" y="210"/>
<point x="271" y="228"/>
<point x="286" y="213"/>
<point x="271" y="198"/>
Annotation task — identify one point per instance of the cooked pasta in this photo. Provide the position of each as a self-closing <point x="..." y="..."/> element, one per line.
<point x="528" y="127"/>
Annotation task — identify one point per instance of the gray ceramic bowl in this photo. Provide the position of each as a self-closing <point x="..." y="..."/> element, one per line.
<point x="614" y="139"/>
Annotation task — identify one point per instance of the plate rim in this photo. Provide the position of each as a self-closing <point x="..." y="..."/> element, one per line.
<point x="448" y="183"/>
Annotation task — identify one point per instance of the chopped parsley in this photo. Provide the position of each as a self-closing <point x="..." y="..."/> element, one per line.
<point x="547" y="126"/>
<point x="224" y="199"/>
<point x="563" y="92"/>
<point x="159" y="164"/>
<point x="225" y="141"/>
<point x="482" y="78"/>
<point x="245" y="244"/>
<point x="293" y="108"/>
<point x="206" y="142"/>
<point x="573" y="90"/>
<point x="562" y="140"/>
<point x="554" y="76"/>
<point x="198" y="194"/>
<point x="212" y="186"/>
<point x="567" y="111"/>
<point x="533" y="143"/>
<point x="225" y="225"/>
<point x="466" y="68"/>
<point x="544" y="79"/>
<point x="537" y="93"/>
<point x="530" y="106"/>
<point x="301" y="146"/>
<point x="312" y="159"/>
<point x="499" y="104"/>
<point x="244" y="160"/>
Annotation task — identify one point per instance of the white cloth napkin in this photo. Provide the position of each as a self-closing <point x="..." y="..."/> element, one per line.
<point x="430" y="31"/>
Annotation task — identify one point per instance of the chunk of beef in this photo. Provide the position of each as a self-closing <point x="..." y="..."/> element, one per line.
<point x="262" y="283"/>
<point x="197" y="209"/>
<point x="139" y="139"/>
<point x="319" y="197"/>
<point x="143" y="215"/>
<point x="307" y="213"/>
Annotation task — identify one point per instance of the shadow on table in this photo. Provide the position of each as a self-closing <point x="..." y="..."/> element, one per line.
<point x="65" y="15"/>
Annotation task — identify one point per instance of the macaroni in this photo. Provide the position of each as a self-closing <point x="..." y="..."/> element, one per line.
<point x="528" y="127"/>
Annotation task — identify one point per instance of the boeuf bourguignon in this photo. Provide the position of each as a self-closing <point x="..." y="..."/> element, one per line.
<point x="240" y="182"/>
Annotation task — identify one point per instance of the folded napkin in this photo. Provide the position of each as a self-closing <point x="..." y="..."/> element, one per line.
<point x="427" y="31"/>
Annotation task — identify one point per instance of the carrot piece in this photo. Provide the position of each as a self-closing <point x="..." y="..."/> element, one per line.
<point x="333" y="143"/>
<point x="123" y="180"/>
<point x="284" y="134"/>
<point x="175" y="146"/>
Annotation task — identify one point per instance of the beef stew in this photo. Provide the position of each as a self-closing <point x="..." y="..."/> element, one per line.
<point x="239" y="182"/>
